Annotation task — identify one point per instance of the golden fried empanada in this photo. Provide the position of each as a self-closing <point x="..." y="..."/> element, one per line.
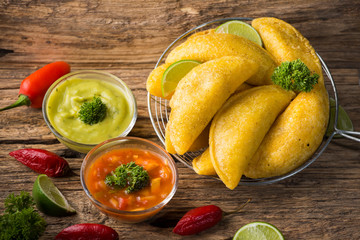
<point x="239" y="127"/>
<point x="285" y="43"/>
<point x="202" y="164"/>
<point x="200" y="94"/>
<point x="298" y="132"/>
<point x="153" y="83"/>
<point x="209" y="45"/>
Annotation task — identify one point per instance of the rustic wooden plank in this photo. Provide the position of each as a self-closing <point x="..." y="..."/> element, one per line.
<point x="120" y="31"/>
<point x="126" y="38"/>
<point x="308" y="189"/>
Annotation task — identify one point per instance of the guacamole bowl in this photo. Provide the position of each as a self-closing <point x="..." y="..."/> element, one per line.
<point x="116" y="201"/>
<point x="85" y="108"/>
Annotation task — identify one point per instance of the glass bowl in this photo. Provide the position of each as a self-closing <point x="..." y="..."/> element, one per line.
<point x="104" y="78"/>
<point x="126" y="143"/>
<point x="159" y="111"/>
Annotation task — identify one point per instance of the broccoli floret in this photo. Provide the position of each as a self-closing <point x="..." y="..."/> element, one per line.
<point x="131" y="176"/>
<point x="92" y="112"/>
<point x="294" y="75"/>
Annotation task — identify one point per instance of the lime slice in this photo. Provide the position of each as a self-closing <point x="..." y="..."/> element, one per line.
<point x="49" y="199"/>
<point x="258" y="231"/>
<point x="343" y="123"/>
<point x="241" y="29"/>
<point x="174" y="73"/>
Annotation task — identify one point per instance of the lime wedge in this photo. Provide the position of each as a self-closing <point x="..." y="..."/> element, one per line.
<point x="49" y="199"/>
<point x="258" y="231"/>
<point x="343" y="123"/>
<point x="174" y="73"/>
<point x="241" y="29"/>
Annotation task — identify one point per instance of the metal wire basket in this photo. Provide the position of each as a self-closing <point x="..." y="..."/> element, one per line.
<point x="159" y="111"/>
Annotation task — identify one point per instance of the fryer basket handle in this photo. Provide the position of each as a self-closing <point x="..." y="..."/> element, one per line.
<point x="348" y="134"/>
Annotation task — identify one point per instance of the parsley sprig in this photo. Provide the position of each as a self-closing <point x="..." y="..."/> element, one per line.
<point x="294" y="75"/>
<point x="20" y="220"/>
<point x="130" y="176"/>
<point x="92" y="112"/>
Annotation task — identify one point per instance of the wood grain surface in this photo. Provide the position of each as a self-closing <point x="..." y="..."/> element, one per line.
<point x="126" y="38"/>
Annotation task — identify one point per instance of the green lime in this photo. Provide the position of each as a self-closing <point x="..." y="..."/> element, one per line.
<point x="174" y="73"/>
<point x="241" y="29"/>
<point x="49" y="199"/>
<point x="258" y="231"/>
<point x="343" y="123"/>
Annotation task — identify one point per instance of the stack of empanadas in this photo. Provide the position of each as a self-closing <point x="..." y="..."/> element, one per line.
<point x="258" y="130"/>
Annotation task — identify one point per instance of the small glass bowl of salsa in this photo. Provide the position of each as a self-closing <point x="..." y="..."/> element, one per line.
<point x="115" y="202"/>
<point x="63" y="101"/>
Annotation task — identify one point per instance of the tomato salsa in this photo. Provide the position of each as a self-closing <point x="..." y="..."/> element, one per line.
<point x="160" y="185"/>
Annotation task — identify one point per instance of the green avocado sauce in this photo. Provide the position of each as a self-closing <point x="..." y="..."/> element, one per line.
<point x="66" y="99"/>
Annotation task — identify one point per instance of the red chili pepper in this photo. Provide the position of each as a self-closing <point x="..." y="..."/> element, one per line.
<point x="199" y="219"/>
<point x="87" y="231"/>
<point x="42" y="161"/>
<point x="33" y="88"/>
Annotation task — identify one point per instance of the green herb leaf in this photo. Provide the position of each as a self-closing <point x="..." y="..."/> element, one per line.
<point x="18" y="203"/>
<point x="20" y="220"/>
<point x="294" y="75"/>
<point x="92" y="112"/>
<point x="131" y="176"/>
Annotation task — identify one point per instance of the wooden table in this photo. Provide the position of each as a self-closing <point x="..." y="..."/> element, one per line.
<point x="126" y="38"/>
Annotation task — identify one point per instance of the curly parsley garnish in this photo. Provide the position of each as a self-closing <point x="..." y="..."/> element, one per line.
<point x="92" y="112"/>
<point x="294" y="75"/>
<point x="20" y="220"/>
<point x="130" y="176"/>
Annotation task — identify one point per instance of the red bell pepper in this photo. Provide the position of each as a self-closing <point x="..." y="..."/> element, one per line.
<point x="33" y="88"/>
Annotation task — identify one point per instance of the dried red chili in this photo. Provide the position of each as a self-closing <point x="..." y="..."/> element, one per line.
<point x="87" y="231"/>
<point x="33" y="88"/>
<point x="199" y="219"/>
<point x="42" y="161"/>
